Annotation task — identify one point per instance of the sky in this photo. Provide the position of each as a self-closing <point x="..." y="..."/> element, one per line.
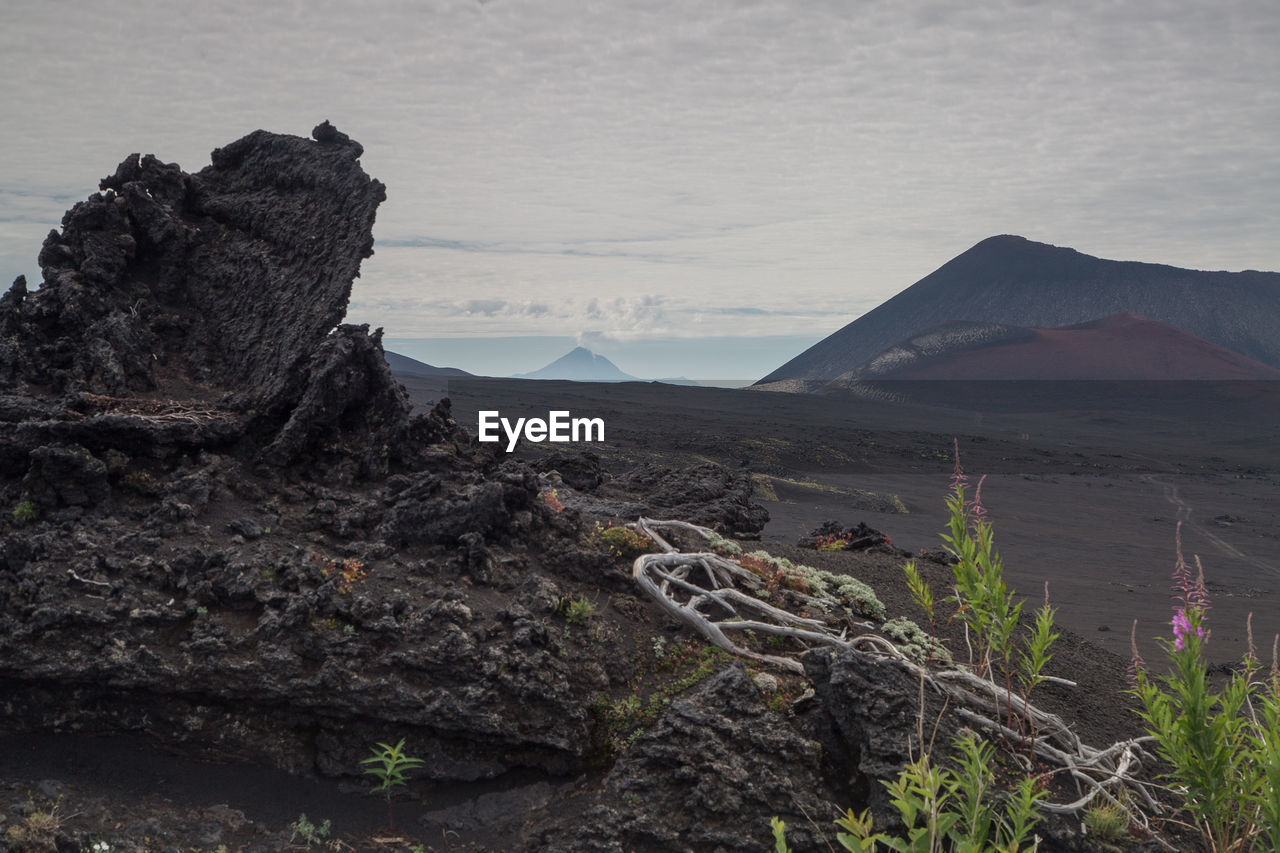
<point x="707" y="175"/>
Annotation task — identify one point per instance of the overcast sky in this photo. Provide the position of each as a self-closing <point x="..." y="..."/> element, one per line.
<point x="627" y="171"/>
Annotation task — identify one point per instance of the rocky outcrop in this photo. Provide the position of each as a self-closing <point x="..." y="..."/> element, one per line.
<point x="581" y="470"/>
<point x="227" y="278"/>
<point x="202" y="469"/>
<point x="195" y="311"/>
<point x="834" y="536"/>
<point x="706" y="494"/>
<point x="873" y="719"/>
<point x="707" y="778"/>
<point x="220" y="612"/>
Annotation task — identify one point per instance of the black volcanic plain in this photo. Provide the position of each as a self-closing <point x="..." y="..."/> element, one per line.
<point x="1086" y="480"/>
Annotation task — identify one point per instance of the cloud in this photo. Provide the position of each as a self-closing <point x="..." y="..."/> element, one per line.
<point x="584" y="249"/>
<point x="806" y="160"/>
<point x="595" y="321"/>
<point x="594" y="339"/>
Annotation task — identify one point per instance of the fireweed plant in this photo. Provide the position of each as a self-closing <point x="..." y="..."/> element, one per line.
<point x="985" y="603"/>
<point x="388" y="765"/>
<point x="1224" y="747"/>
<point x="959" y="810"/>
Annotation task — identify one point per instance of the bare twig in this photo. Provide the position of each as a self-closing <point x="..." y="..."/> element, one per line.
<point x="75" y="576"/>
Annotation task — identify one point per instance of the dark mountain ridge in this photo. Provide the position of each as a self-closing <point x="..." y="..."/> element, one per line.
<point x="1015" y="281"/>
<point x="403" y="364"/>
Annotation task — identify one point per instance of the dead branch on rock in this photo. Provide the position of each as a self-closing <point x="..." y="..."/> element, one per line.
<point x="155" y="411"/>
<point x="698" y="589"/>
<point x="712" y="604"/>
<point x="75" y="576"/>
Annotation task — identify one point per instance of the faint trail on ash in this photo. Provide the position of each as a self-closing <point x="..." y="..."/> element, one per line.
<point x="1184" y="511"/>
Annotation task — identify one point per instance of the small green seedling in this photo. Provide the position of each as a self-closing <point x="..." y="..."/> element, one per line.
<point x="309" y="833"/>
<point x="388" y="765"/>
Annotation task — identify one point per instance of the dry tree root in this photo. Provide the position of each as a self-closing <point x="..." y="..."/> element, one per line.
<point x="698" y="589"/>
<point x="154" y="411"/>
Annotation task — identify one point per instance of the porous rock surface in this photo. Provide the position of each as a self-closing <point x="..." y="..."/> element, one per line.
<point x="855" y="538"/>
<point x="873" y="718"/>
<point x="705" y="494"/>
<point x="226" y="528"/>
<point x="193" y="310"/>
<point x="706" y="777"/>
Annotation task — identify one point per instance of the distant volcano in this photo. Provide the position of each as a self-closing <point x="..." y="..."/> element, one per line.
<point x="1122" y="347"/>
<point x="1014" y="281"/>
<point x="581" y="365"/>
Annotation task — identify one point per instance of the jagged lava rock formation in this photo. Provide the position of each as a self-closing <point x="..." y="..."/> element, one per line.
<point x="195" y="310"/>
<point x="172" y="393"/>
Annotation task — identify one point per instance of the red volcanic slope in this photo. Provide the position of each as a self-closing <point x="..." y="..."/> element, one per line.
<point x="1119" y="347"/>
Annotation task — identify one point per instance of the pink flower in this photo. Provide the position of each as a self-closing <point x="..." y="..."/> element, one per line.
<point x="1190" y="597"/>
<point x="1189" y="590"/>
<point x="977" y="512"/>
<point x="1182" y="627"/>
<point x="974" y="511"/>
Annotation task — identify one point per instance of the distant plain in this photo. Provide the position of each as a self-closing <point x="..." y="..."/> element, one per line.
<point x="1085" y="481"/>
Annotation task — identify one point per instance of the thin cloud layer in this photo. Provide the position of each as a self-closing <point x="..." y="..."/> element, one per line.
<point x="673" y="169"/>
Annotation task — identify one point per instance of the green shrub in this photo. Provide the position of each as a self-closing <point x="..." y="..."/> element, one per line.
<point x="684" y="665"/>
<point x="25" y="512"/>
<point x="779" y="828"/>
<point x="834" y="590"/>
<point x="39" y="829"/>
<point x="1107" y="822"/>
<point x="309" y="833"/>
<point x="945" y="809"/>
<point x="857" y="594"/>
<point x="725" y="546"/>
<point x="985" y="603"/>
<point x="914" y="642"/>
<point x="833" y="542"/>
<point x="577" y="611"/>
<point x="921" y="594"/>
<point x="623" y="541"/>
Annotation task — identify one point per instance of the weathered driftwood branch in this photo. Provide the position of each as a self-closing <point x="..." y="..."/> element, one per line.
<point x="719" y="606"/>
<point x="698" y="589"/>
